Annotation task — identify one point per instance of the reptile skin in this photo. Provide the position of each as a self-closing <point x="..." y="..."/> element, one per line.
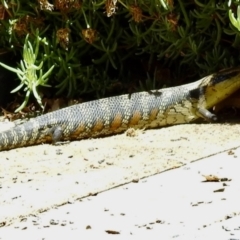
<point x="112" y="115"/>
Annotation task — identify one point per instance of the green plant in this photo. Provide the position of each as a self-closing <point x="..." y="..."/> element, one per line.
<point x="235" y="21"/>
<point x="94" y="44"/>
<point x="29" y="72"/>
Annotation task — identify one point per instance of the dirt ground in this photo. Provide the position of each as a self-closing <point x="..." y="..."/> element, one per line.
<point x="35" y="179"/>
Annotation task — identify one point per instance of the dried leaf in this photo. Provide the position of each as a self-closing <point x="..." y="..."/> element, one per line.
<point x="112" y="232"/>
<point x="213" y="178"/>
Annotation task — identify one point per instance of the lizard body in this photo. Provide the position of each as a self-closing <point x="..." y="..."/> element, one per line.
<point x="157" y="108"/>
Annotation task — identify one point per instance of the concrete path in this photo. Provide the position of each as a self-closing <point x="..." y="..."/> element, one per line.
<point x="177" y="204"/>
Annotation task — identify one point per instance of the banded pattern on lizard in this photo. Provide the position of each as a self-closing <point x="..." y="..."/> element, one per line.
<point x="157" y="108"/>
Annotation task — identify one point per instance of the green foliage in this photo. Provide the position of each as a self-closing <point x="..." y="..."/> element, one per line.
<point x="96" y="44"/>
<point x="29" y="72"/>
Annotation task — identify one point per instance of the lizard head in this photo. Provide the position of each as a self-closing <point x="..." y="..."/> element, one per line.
<point x="218" y="87"/>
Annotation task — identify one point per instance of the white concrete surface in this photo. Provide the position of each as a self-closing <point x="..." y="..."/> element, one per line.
<point x="177" y="204"/>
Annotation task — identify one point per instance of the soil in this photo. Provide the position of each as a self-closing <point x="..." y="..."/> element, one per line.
<point x="37" y="178"/>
